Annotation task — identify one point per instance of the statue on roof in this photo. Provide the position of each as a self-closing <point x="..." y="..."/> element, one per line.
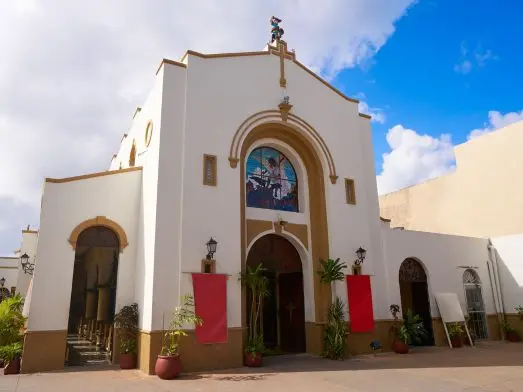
<point x="276" y="30"/>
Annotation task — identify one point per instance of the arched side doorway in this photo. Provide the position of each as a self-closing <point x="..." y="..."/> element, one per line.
<point x="93" y="296"/>
<point x="475" y="304"/>
<point x="415" y="294"/>
<point x="283" y="312"/>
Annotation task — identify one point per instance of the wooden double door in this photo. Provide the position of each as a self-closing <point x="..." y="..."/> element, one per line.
<point x="284" y="312"/>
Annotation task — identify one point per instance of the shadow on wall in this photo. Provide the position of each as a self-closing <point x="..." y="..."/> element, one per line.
<point x="509" y="253"/>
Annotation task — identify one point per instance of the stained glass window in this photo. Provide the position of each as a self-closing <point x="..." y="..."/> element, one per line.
<point x="271" y="181"/>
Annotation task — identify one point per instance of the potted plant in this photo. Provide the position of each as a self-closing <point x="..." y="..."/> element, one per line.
<point x="11" y="333"/>
<point x="510" y="333"/>
<point x="455" y="331"/>
<point x="399" y="340"/>
<point x="10" y="355"/>
<point x="168" y="364"/>
<point x="126" y="320"/>
<point x="257" y="285"/>
<point x="335" y="337"/>
<point x="411" y="332"/>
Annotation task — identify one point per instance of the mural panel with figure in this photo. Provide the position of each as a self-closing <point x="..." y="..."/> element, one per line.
<point x="271" y="181"/>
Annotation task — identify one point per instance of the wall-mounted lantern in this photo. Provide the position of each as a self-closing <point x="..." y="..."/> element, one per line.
<point x="211" y="248"/>
<point x="27" y="266"/>
<point x="209" y="264"/>
<point x="360" y="254"/>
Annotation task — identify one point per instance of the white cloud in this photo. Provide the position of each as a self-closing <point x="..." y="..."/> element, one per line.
<point x="73" y="72"/>
<point x="496" y="121"/>
<point x="478" y="58"/>
<point x="414" y="158"/>
<point x="378" y="115"/>
<point x="463" y="67"/>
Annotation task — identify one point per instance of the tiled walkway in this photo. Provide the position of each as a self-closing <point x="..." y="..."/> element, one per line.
<point x="489" y="367"/>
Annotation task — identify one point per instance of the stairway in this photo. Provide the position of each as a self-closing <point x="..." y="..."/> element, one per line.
<point x="82" y="352"/>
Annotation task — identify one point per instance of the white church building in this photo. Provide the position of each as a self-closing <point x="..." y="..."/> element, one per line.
<point x="258" y="152"/>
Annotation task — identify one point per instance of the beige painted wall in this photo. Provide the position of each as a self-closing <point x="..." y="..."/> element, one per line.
<point x="482" y="198"/>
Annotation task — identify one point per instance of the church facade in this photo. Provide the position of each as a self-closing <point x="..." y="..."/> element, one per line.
<point x="259" y="153"/>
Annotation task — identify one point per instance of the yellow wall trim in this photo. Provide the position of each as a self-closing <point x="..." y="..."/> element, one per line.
<point x="171" y="62"/>
<point x="99" y="221"/>
<point x="272" y="117"/>
<point x="28" y="231"/>
<point x="92" y="175"/>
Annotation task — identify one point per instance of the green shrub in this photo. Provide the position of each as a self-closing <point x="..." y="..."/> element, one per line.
<point x="10" y="352"/>
<point x="11" y="320"/>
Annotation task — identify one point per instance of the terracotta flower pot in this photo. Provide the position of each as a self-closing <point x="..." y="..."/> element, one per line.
<point x="168" y="366"/>
<point x="128" y="361"/>
<point x="253" y="359"/>
<point x="400" y="347"/>
<point x="13" y="367"/>
<point x="456" y="341"/>
<point x="513" y="337"/>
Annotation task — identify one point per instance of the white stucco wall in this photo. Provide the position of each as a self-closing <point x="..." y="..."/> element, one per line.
<point x="221" y="94"/>
<point x="147" y="157"/>
<point x="29" y="246"/>
<point x="510" y="266"/>
<point x="9" y="271"/>
<point x="64" y="206"/>
<point x="443" y="257"/>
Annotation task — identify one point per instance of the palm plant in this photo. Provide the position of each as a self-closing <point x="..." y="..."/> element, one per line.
<point x="331" y="271"/>
<point x="335" y="339"/>
<point x="256" y="282"/>
<point x="336" y="330"/>
<point x="12" y="320"/>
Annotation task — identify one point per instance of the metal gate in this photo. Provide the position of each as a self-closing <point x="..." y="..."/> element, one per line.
<point x="475" y="304"/>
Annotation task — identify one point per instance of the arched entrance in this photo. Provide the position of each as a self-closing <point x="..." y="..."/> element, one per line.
<point x="475" y="304"/>
<point x="415" y="294"/>
<point x="283" y="312"/>
<point x="93" y="296"/>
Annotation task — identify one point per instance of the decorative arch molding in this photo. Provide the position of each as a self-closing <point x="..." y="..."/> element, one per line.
<point x="99" y="221"/>
<point x="317" y="227"/>
<point x="412" y="270"/>
<point x="274" y="117"/>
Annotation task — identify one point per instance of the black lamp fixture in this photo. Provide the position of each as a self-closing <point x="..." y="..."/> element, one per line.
<point x="360" y="253"/>
<point x="27" y="266"/>
<point x="211" y="248"/>
<point x="2" y="282"/>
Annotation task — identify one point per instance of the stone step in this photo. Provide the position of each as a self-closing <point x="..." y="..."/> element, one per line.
<point x="82" y="352"/>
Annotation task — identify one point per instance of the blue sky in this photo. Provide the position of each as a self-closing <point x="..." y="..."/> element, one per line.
<point x="413" y="76"/>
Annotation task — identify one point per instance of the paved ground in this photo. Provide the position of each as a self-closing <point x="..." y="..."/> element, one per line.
<point x="490" y="367"/>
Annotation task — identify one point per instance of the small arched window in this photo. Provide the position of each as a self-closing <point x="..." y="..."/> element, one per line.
<point x="271" y="181"/>
<point x="470" y="277"/>
<point x="132" y="154"/>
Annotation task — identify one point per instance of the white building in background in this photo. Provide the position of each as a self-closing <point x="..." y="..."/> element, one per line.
<point x="257" y="151"/>
<point x="16" y="278"/>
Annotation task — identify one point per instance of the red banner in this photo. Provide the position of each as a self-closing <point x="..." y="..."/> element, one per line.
<point x="210" y="302"/>
<point x="360" y="303"/>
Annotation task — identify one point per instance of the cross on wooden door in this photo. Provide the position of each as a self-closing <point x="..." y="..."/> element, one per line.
<point x="290" y="307"/>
